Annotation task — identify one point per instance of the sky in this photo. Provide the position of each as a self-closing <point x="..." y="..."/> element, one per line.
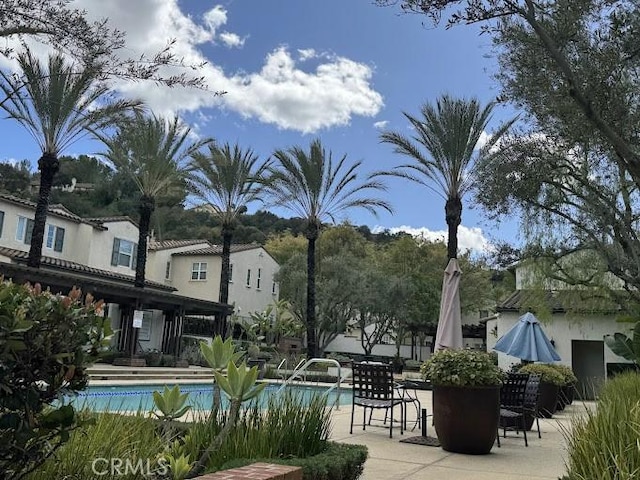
<point x="294" y="71"/>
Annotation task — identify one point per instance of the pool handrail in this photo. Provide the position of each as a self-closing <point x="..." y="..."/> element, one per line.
<point x="302" y="368"/>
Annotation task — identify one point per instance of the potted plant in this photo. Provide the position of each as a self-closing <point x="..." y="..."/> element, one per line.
<point x="466" y="399"/>
<point x="568" y="387"/>
<point x="550" y="382"/>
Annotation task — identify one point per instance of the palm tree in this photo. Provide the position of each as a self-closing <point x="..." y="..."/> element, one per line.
<point x="444" y="152"/>
<point x="152" y="152"/>
<point x="228" y="179"/>
<point x="58" y="104"/>
<point x="316" y="189"/>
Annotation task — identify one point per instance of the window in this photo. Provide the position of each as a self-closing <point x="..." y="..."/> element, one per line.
<point x="273" y="287"/>
<point x="231" y="273"/>
<point x="1" y="221"/>
<point x="55" y="238"/>
<point x="258" y="279"/>
<point x="248" y="277"/>
<point x="124" y="253"/>
<point x="167" y="271"/>
<point x="24" y="230"/>
<point x="199" y="271"/>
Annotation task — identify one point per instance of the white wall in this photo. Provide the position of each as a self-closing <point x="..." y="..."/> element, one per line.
<point x="563" y="329"/>
<point x="249" y="298"/>
<point x="70" y="248"/>
<point x="102" y="246"/>
<point x="157" y="262"/>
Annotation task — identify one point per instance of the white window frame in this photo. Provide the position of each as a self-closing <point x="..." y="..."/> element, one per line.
<point x="258" y="279"/>
<point x="51" y="241"/>
<point x="167" y="271"/>
<point x="22" y="229"/>
<point x="273" y="287"/>
<point x="248" y="282"/>
<point x="199" y="271"/>
<point x="123" y="253"/>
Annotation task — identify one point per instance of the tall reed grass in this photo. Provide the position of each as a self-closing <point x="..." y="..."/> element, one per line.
<point x="605" y="444"/>
<point x="288" y="427"/>
<point x="111" y="436"/>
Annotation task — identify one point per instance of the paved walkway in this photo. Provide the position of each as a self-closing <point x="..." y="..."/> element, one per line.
<point x="391" y="460"/>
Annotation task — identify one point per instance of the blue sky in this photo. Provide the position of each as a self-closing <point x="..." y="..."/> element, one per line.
<point x="296" y="70"/>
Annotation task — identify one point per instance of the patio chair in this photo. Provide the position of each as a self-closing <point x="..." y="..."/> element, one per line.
<point x="512" y="411"/>
<point x="531" y="395"/>
<point x="374" y="388"/>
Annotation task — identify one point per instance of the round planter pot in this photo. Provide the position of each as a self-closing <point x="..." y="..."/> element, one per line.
<point x="548" y="399"/>
<point x="466" y="418"/>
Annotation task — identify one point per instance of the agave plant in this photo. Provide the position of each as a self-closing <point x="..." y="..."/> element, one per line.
<point x="218" y="356"/>
<point x="170" y="403"/>
<point x="240" y="386"/>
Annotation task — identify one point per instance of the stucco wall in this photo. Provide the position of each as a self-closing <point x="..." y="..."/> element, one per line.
<point x="249" y="298"/>
<point x="102" y="246"/>
<point x="563" y="329"/>
<point x="71" y="248"/>
<point x="157" y="262"/>
<point x="181" y="276"/>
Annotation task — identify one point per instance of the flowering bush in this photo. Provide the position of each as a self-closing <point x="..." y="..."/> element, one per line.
<point x="469" y="368"/>
<point x="46" y="342"/>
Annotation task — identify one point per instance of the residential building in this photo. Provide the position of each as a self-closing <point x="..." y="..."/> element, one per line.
<point x="577" y="331"/>
<point x="99" y="256"/>
<point x="193" y="267"/>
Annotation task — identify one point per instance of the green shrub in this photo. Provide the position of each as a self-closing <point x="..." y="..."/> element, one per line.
<point x="339" y="461"/>
<point x="108" y="436"/>
<point x="603" y="444"/>
<point x="548" y="373"/>
<point x="46" y="342"/>
<point x="462" y="368"/>
<point x="569" y="378"/>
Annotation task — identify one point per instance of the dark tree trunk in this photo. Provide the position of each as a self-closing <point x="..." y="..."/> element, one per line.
<point x="48" y="166"/>
<point x="223" y="296"/>
<point x="147" y="206"/>
<point x="453" y="215"/>
<point x="312" y="344"/>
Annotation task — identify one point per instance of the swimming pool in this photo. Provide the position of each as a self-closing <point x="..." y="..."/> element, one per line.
<point x="140" y="397"/>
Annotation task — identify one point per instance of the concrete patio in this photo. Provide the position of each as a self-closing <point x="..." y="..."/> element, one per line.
<point x="389" y="459"/>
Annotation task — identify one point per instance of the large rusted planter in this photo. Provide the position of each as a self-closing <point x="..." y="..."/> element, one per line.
<point x="466" y="418"/>
<point x="548" y="399"/>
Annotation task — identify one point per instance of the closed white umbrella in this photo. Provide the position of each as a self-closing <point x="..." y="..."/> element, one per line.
<point x="449" y="332"/>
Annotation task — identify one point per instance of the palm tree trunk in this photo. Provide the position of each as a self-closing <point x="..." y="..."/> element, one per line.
<point x="453" y="215"/>
<point x="147" y="206"/>
<point x="48" y="166"/>
<point x="312" y="346"/>
<point x="223" y="297"/>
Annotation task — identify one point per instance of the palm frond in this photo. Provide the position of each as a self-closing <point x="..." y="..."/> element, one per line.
<point x="61" y="102"/>
<point x="314" y="187"/>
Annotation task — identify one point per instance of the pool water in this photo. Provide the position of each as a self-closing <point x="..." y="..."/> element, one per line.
<point x="140" y="397"/>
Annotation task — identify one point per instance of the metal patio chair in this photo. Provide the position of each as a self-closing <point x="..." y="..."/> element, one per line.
<point x="374" y="388"/>
<point x="512" y="409"/>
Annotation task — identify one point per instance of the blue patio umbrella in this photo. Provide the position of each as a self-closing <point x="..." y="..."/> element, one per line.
<point x="527" y="341"/>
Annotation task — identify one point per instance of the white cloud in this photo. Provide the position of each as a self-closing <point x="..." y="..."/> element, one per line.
<point x="280" y="93"/>
<point x="306" y="53"/>
<point x="469" y="238"/>
<point x="482" y="141"/>
<point x="232" y="40"/>
<point x="381" y="124"/>
<point x="215" y="18"/>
